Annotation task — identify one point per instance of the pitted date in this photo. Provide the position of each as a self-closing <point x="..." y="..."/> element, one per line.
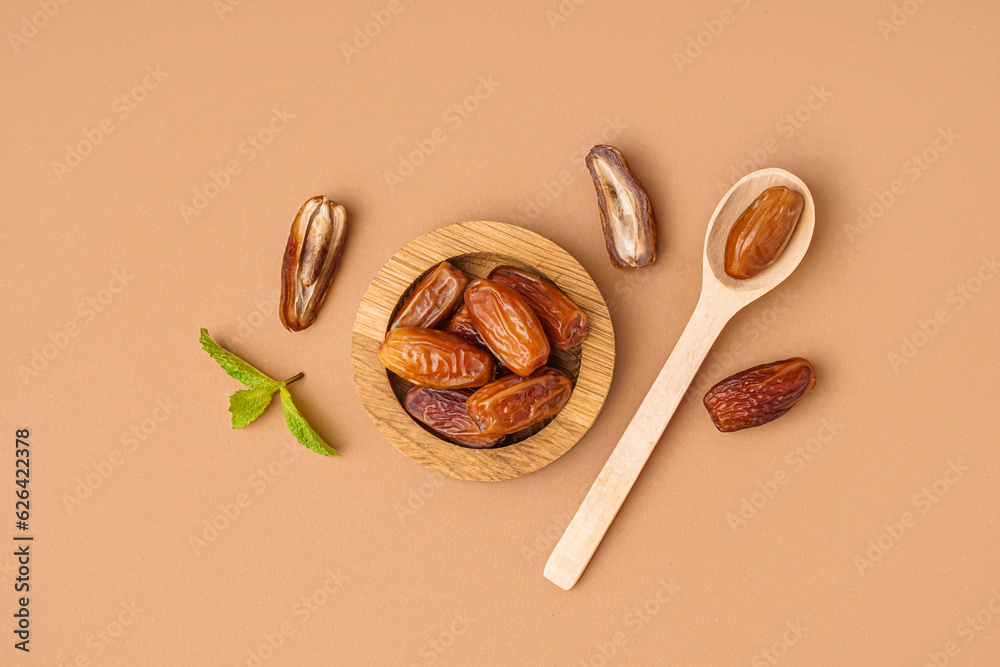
<point x="513" y="403"/>
<point x="312" y="255"/>
<point x="433" y="299"/>
<point x="759" y="394"/>
<point x="432" y="358"/>
<point x="626" y="214"/>
<point x="563" y="321"/>
<point x="444" y="412"/>
<point x="762" y="231"/>
<point x="508" y="325"/>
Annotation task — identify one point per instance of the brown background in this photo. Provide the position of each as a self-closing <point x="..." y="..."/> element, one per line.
<point x="405" y="567"/>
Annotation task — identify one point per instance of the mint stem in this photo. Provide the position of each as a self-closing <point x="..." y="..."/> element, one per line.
<point x="297" y="376"/>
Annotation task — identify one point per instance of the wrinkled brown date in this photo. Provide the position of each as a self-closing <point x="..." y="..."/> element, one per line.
<point x="443" y="411"/>
<point x="461" y="324"/>
<point x="762" y="231"/>
<point x="626" y="214"/>
<point x="508" y="325"/>
<point x="311" y="257"/>
<point x="564" y="322"/>
<point x="433" y="299"/>
<point x="759" y="394"/>
<point x="433" y="358"/>
<point x="512" y="403"/>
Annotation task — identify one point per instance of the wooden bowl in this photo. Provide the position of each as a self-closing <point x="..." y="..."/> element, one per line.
<point x="478" y="247"/>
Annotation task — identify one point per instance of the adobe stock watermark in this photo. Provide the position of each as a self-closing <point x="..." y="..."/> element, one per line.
<point x="720" y="364"/>
<point x="31" y="24"/>
<point x="967" y="630"/>
<point x="913" y="170"/>
<point x="418" y="497"/>
<point x="453" y="118"/>
<point x="955" y="301"/>
<point x="223" y="8"/>
<point x="7" y="568"/>
<point x="257" y="483"/>
<point x="433" y="649"/>
<point x="786" y="127"/>
<point x="899" y="17"/>
<point x="543" y="539"/>
<point x="792" y="633"/>
<point x="102" y="638"/>
<point x="246" y="325"/>
<point x="247" y="148"/>
<point x="923" y="501"/>
<point x="254" y="318"/>
<point x="796" y="460"/>
<point x="560" y="12"/>
<point x="369" y="31"/>
<point x="576" y="165"/>
<point x="625" y="288"/>
<point x="99" y="472"/>
<point x="87" y="311"/>
<point x="703" y="40"/>
<point x="121" y="108"/>
<point x="636" y="620"/>
<point x="301" y="613"/>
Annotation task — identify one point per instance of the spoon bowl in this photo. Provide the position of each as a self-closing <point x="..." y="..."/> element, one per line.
<point x="721" y="297"/>
<point x="739" y="197"/>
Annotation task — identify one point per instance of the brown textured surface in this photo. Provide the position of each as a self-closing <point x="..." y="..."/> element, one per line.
<point x="898" y="309"/>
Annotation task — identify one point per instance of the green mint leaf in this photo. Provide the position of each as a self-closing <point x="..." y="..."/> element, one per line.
<point x="248" y="404"/>
<point x="300" y="427"/>
<point x="236" y="367"/>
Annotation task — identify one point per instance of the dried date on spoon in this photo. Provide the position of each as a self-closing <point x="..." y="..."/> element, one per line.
<point x="311" y="258"/>
<point x="759" y="394"/>
<point x="762" y="231"/>
<point x="433" y="299"/>
<point x="626" y="214"/>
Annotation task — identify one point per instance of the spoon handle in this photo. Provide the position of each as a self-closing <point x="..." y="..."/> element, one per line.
<point x="605" y="498"/>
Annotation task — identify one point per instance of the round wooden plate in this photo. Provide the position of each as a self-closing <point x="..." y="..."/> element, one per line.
<point x="478" y="247"/>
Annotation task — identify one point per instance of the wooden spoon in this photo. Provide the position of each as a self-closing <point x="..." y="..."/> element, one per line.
<point x="721" y="298"/>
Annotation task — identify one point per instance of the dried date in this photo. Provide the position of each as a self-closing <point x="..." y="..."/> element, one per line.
<point x="563" y="321"/>
<point x="762" y="231"/>
<point x="508" y="325"/>
<point x="432" y="358"/>
<point x="433" y="299"/>
<point x="759" y="394"/>
<point x="461" y="324"/>
<point x="312" y="255"/>
<point x="626" y="214"/>
<point x="444" y="412"/>
<point x="513" y="403"/>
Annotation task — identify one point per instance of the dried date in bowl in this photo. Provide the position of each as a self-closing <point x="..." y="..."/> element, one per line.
<point x="477" y="248"/>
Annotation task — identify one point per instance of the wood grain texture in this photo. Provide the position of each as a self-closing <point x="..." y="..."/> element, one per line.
<point x="721" y="297"/>
<point x="477" y="247"/>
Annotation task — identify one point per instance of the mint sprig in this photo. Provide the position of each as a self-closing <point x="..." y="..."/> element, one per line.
<point x="248" y="404"/>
